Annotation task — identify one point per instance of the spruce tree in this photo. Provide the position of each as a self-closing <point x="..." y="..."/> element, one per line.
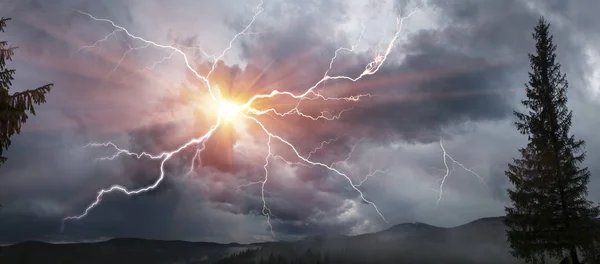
<point x="14" y="108"/>
<point x="550" y="215"/>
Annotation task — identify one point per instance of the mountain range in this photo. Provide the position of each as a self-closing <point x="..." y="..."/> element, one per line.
<point x="481" y="241"/>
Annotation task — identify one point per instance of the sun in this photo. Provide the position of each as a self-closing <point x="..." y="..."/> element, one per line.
<point x="228" y="110"/>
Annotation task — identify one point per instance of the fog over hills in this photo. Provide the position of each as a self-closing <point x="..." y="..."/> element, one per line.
<point x="480" y="241"/>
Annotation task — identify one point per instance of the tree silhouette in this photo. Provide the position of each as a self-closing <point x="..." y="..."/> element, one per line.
<point x="269" y="256"/>
<point x="14" y="108"/>
<point x="550" y="214"/>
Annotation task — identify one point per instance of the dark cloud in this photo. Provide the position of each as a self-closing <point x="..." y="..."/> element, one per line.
<point x="425" y="107"/>
<point x="445" y="77"/>
<point x="459" y="79"/>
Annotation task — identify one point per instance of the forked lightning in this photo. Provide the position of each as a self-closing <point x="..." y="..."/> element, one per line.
<point x="227" y="110"/>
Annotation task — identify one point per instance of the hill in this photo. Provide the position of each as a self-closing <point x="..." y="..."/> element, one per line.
<point x="481" y="241"/>
<point x="122" y="250"/>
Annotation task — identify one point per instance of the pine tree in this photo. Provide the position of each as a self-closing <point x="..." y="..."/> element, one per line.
<point x="272" y="259"/>
<point x="14" y="108"/>
<point x="550" y="214"/>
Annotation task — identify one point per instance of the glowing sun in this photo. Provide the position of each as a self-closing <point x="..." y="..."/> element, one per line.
<point x="228" y="110"/>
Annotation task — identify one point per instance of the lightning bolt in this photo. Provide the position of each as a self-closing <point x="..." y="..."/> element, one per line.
<point x="323" y="145"/>
<point x="196" y="157"/>
<point x="265" y="210"/>
<point x="151" y="67"/>
<point x="371" y="174"/>
<point x="314" y="163"/>
<point x="449" y="170"/>
<point x="149" y="43"/>
<point x="345" y="161"/>
<point x="131" y="49"/>
<point x="113" y="33"/>
<point x="245" y="110"/>
<point x="165" y="156"/>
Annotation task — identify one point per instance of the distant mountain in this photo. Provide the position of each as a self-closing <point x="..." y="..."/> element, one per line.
<point x="481" y="241"/>
<point x="122" y="250"/>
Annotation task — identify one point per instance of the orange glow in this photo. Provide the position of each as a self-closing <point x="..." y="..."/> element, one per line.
<point x="228" y="110"/>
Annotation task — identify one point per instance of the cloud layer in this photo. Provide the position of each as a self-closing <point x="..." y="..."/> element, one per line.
<point x="456" y="73"/>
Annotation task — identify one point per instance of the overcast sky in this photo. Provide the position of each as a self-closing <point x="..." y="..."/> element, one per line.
<point x="456" y="72"/>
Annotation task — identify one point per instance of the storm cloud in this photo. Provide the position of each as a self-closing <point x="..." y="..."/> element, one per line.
<point x="456" y="73"/>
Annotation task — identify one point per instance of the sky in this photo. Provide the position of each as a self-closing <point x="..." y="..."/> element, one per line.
<point x="449" y="85"/>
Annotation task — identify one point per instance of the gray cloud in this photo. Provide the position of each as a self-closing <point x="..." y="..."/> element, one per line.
<point x="459" y="80"/>
<point x="442" y="69"/>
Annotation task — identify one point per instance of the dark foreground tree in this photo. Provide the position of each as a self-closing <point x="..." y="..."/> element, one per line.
<point x="14" y="108"/>
<point x="550" y="216"/>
